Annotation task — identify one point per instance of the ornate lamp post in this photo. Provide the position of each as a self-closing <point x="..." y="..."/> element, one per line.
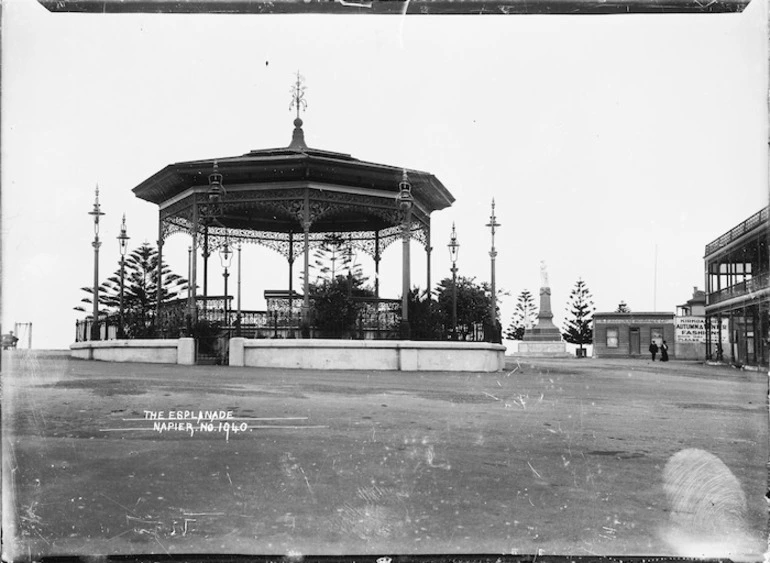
<point x="238" y="315"/>
<point x="96" y="212"/>
<point x="405" y="201"/>
<point x="226" y="256"/>
<point x="123" y="243"/>
<point x="454" y="251"/>
<point x="492" y="255"/>
<point x="213" y="210"/>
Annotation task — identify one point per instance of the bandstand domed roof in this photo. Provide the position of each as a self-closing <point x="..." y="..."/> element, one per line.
<point x="268" y="196"/>
<point x="292" y="167"/>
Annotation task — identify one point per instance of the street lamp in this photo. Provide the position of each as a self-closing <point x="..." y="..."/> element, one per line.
<point x="493" y="224"/>
<point x="226" y="256"/>
<point x="238" y="315"/>
<point x="213" y="210"/>
<point x="454" y="251"/>
<point x="123" y="244"/>
<point x="96" y="212"/>
<point x="405" y="200"/>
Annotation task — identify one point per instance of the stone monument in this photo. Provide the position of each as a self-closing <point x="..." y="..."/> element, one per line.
<point x="544" y="339"/>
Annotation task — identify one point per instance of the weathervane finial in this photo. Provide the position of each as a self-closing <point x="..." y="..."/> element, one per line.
<point x="298" y="94"/>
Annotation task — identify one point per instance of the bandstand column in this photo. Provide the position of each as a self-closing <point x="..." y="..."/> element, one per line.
<point x="189" y="273"/>
<point x="377" y="264"/>
<point x="406" y="275"/>
<point x="405" y="200"/>
<point x="192" y="308"/>
<point x="306" y="281"/>
<point x="160" y="275"/>
<point x="292" y="333"/>
<point x="428" y="250"/>
<point x="205" y="264"/>
<point x="291" y="269"/>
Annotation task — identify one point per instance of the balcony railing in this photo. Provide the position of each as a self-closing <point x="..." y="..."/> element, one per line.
<point x="746" y="288"/>
<point x="759" y="218"/>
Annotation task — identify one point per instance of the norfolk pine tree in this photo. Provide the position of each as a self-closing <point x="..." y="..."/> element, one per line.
<point x="579" y="322"/>
<point x="524" y="316"/>
<point x="622" y="308"/>
<point x="140" y="290"/>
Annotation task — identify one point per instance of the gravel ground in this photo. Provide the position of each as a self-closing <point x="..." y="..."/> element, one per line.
<point x="549" y="456"/>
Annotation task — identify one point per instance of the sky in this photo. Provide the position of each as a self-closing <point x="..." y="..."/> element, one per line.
<point x="615" y="147"/>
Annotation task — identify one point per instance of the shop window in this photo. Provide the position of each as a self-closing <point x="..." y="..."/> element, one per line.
<point x="612" y="338"/>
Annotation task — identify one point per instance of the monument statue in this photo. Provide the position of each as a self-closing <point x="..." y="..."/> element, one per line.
<point x="543" y="275"/>
<point x="544" y="338"/>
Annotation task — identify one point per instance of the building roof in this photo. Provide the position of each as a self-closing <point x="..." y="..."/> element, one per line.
<point x="698" y="298"/>
<point x="292" y="164"/>
<point x="633" y="314"/>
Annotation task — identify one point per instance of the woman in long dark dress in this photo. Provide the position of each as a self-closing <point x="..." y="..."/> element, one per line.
<point x="664" y="352"/>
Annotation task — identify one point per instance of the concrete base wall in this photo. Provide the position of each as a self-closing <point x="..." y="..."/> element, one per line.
<point x="176" y="351"/>
<point x="368" y="355"/>
<point x="543" y="350"/>
<point x="688" y="351"/>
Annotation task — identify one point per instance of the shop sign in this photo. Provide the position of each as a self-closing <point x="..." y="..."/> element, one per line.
<point x="693" y="329"/>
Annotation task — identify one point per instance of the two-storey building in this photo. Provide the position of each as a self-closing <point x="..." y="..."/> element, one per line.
<point x="737" y="268"/>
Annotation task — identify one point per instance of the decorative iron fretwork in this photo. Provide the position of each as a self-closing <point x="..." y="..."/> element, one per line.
<point x="328" y="203"/>
<point x="390" y="235"/>
<point x="166" y="228"/>
<point x="179" y="209"/>
<point x="288" y="204"/>
<point x="279" y="242"/>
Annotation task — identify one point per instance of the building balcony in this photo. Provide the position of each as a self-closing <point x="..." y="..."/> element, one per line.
<point x="760" y="218"/>
<point x="749" y="289"/>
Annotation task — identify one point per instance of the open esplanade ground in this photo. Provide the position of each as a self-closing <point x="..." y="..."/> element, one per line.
<point x="564" y="456"/>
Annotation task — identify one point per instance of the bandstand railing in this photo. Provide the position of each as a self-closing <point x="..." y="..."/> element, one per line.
<point x="376" y="319"/>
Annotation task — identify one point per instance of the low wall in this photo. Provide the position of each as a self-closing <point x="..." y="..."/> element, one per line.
<point x="401" y="355"/>
<point x="172" y="351"/>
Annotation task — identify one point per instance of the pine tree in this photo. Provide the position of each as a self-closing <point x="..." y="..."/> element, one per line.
<point x="333" y="258"/>
<point x="524" y="316"/>
<point x="339" y="282"/>
<point x="580" y="310"/>
<point x="140" y="290"/>
<point x="622" y="308"/>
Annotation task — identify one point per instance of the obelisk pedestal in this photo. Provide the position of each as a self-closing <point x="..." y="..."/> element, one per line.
<point x="544" y="339"/>
<point x="544" y="330"/>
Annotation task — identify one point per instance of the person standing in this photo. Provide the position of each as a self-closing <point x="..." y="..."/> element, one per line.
<point x="664" y="352"/>
<point x="653" y="349"/>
